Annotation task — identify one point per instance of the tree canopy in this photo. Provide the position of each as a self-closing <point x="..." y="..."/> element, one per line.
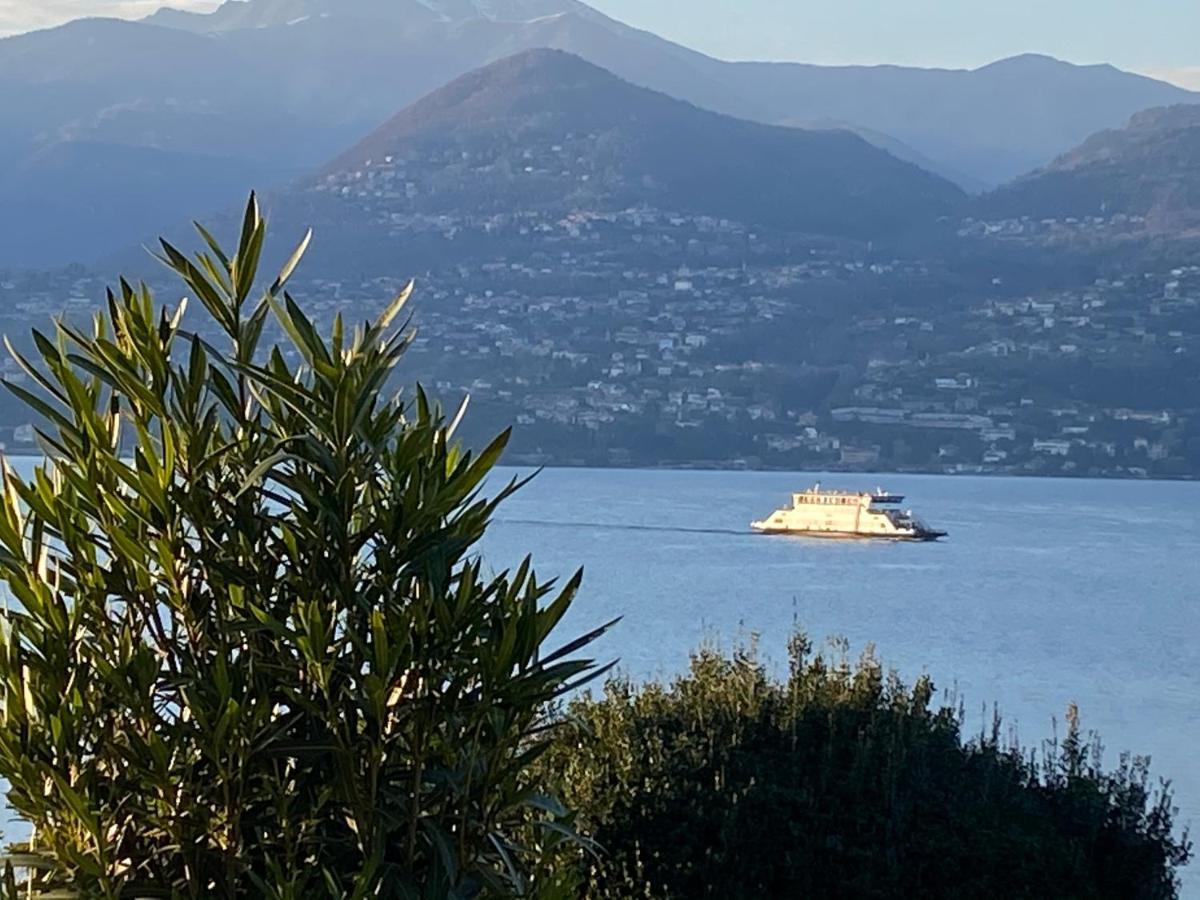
<point x="842" y="781"/>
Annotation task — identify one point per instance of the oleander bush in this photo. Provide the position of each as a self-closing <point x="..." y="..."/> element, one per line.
<point x="251" y="651"/>
<point x="841" y="781"/>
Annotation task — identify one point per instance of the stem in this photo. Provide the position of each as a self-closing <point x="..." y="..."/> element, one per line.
<point x="415" y="807"/>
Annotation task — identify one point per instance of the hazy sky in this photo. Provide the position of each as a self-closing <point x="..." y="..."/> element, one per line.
<point x="1154" y="36"/>
<point x="23" y="15"/>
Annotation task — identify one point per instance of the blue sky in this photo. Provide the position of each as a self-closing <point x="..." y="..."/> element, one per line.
<point x="1154" y="36"/>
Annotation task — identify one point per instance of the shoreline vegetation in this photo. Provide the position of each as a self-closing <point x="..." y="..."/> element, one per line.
<point x="840" y="779"/>
<point x="516" y="462"/>
<point x="253" y="653"/>
<point x="849" y="473"/>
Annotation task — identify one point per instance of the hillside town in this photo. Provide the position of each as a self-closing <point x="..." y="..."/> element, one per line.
<point x="644" y="337"/>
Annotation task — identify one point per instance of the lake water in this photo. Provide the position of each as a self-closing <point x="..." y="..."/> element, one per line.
<point x="1046" y="592"/>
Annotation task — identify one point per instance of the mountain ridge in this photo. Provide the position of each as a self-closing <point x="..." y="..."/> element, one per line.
<point x="977" y="122"/>
<point x="220" y="88"/>
<point x="107" y="183"/>
<point x="1149" y="168"/>
<point x="239" y="14"/>
<point x="547" y="129"/>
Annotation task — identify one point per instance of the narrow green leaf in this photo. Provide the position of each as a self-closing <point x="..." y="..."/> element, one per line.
<point x="294" y="260"/>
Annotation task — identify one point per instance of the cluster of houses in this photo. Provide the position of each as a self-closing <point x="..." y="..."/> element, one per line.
<point x="651" y="336"/>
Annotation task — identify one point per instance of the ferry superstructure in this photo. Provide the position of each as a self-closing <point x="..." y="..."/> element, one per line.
<point x="847" y="514"/>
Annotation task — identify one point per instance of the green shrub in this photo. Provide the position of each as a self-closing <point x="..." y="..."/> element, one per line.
<point x="842" y="782"/>
<point x="253" y="654"/>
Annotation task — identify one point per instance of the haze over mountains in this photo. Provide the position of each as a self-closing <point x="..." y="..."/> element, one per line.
<point x="1149" y="168"/>
<point x="283" y="86"/>
<point x="546" y="130"/>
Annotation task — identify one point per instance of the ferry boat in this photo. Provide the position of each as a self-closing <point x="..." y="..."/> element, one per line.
<point x="847" y="514"/>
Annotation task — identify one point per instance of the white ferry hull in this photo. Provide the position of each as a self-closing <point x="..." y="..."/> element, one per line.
<point x="846" y="515"/>
<point x="760" y="528"/>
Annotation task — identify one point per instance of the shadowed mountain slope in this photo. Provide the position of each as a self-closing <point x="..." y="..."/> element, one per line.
<point x="1149" y="168"/>
<point x="548" y="130"/>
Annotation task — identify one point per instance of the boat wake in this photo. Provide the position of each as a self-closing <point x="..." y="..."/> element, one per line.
<point x="620" y="526"/>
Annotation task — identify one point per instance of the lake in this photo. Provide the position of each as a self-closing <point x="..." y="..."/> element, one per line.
<point x="1046" y="592"/>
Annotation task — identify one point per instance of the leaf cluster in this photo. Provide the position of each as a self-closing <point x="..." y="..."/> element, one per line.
<point x="252" y="652"/>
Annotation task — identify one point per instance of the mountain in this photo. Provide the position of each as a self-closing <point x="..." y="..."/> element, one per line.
<point x="100" y="188"/>
<point x="546" y="131"/>
<point x="1149" y="168"/>
<point x="289" y="82"/>
<point x="235" y="15"/>
<point x="990" y="124"/>
<point x="897" y="148"/>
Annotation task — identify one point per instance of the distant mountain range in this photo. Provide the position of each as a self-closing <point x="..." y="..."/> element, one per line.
<point x="897" y="148"/>
<point x="547" y="131"/>
<point x="236" y="16"/>
<point x="989" y="124"/>
<point x="281" y="86"/>
<point x="100" y="187"/>
<point x="1150" y="168"/>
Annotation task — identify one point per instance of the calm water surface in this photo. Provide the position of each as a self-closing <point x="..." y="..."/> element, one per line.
<point x="1046" y="591"/>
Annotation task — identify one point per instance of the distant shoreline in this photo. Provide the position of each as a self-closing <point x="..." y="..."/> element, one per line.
<point x="929" y="473"/>
<point x="715" y="467"/>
